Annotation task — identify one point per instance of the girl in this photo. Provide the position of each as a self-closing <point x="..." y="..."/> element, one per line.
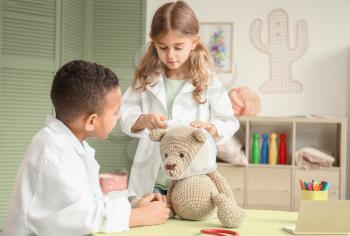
<point x="173" y="81"/>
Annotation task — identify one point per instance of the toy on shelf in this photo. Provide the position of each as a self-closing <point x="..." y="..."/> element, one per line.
<point x="268" y="153"/>
<point x="273" y="149"/>
<point x="265" y="149"/>
<point x="283" y="149"/>
<point x="255" y="149"/>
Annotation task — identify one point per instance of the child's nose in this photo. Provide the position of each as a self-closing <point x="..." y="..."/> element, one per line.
<point x="170" y="54"/>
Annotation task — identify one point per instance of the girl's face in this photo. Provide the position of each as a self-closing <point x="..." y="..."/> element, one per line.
<point x="174" y="49"/>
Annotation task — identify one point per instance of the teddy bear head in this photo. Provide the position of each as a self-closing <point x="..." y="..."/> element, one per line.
<point x="178" y="147"/>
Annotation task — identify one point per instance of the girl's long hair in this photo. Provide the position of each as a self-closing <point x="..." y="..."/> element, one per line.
<point x="179" y="17"/>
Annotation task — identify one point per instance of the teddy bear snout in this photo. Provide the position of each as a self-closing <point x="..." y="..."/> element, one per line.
<point x="170" y="166"/>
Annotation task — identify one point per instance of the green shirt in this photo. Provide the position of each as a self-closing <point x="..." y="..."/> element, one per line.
<point x="172" y="89"/>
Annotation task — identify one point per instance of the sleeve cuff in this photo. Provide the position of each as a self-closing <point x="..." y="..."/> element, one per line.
<point x="140" y="134"/>
<point x="225" y="130"/>
<point x="117" y="217"/>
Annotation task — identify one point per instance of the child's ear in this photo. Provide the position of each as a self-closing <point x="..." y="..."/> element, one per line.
<point x="90" y="122"/>
<point x="195" y="42"/>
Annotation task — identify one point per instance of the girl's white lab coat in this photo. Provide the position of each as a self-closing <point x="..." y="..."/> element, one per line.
<point x="217" y="111"/>
<point x="57" y="190"/>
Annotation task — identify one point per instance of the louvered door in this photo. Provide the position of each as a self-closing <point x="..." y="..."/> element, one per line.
<point x="74" y="36"/>
<point x="28" y="59"/>
<point x="36" y="38"/>
<point x="117" y="34"/>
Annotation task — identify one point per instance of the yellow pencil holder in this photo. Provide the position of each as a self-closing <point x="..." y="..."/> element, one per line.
<point x="314" y="195"/>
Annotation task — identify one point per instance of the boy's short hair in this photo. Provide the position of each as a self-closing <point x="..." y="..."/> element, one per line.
<point x="79" y="87"/>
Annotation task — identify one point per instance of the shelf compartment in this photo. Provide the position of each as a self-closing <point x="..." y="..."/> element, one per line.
<point x="325" y="137"/>
<point x="269" y="127"/>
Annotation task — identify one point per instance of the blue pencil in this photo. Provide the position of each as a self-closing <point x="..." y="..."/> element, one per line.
<point x="325" y="186"/>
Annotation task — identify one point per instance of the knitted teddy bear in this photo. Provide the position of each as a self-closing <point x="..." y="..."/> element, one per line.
<point x="245" y="102"/>
<point x="197" y="188"/>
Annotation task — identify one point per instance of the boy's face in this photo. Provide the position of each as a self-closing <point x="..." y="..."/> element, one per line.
<point x="106" y="121"/>
<point x="174" y="49"/>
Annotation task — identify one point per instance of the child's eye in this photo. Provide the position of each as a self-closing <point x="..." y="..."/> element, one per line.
<point x="178" y="49"/>
<point x="162" y="48"/>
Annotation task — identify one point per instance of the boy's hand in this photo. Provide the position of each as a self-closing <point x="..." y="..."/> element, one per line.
<point x="209" y="127"/>
<point x="151" y="197"/>
<point x="159" y="197"/>
<point x="150" y="122"/>
<point x="150" y="213"/>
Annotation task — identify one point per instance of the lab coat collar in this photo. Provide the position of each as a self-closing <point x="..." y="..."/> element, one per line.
<point x="57" y="126"/>
<point x="158" y="90"/>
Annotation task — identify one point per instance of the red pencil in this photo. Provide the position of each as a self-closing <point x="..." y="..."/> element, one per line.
<point x="302" y="185"/>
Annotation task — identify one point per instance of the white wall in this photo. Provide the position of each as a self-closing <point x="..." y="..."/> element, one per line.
<point x="324" y="70"/>
<point x="348" y="116"/>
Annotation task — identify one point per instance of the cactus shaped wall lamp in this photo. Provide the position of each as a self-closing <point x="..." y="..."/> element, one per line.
<point x="281" y="54"/>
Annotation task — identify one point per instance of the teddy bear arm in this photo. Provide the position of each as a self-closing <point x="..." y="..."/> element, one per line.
<point x="222" y="184"/>
<point x="172" y="214"/>
<point x="170" y="190"/>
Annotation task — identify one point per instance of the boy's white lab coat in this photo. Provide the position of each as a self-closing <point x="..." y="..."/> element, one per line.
<point x="57" y="190"/>
<point x="217" y="111"/>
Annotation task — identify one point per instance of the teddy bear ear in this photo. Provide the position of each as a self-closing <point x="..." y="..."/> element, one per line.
<point x="157" y="134"/>
<point x="200" y="136"/>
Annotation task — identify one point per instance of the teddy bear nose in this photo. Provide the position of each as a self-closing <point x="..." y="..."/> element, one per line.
<point x="170" y="166"/>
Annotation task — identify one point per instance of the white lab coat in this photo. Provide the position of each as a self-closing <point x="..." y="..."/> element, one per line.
<point x="57" y="190"/>
<point x="217" y="110"/>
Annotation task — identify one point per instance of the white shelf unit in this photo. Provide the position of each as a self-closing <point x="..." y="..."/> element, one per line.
<point x="276" y="187"/>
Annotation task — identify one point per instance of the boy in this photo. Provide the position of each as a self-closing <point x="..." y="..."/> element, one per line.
<point x="57" y="190"/>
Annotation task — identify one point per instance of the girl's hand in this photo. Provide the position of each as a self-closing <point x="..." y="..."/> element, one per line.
<point x="209" y="127"/>
<point x="150" y="122"/>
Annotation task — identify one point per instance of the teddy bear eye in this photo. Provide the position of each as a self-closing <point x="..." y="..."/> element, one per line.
<point x="182" y="155"/>
<point x="166" y="155"/>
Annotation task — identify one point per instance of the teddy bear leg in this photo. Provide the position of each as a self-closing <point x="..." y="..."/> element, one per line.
<point x="229" y="213"/>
